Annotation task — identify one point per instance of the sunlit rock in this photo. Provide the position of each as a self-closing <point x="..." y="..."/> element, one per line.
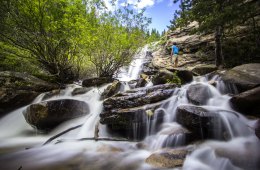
<point x="245" y="77"/>
<point x="168" y="158"/>
<point x="111" y="89"/>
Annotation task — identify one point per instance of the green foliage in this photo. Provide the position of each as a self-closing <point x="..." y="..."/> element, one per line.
<point x="175" y="79"/>
<point x="67" y="38"/>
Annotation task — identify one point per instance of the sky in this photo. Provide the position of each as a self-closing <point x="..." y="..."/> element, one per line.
<point x="161" y="11"/>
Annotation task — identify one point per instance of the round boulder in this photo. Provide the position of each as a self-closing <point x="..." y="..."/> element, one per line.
<point x="49" y="114"/>
<point x="199" y="94"/>
<point x="96" y="81"/>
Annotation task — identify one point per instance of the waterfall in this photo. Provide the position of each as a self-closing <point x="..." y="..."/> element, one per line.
<point x="21" y="145"/>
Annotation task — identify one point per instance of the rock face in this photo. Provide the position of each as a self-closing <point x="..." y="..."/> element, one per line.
<point x="96" y="81"/>
<point x="245" y="77"/>
<point x="203" y="69"/>
<point x="247" y="102"/>
<point x="19" y="89"/>
<point x="127" y="113"/>
<point x="111" y="89"/>
<point x="198" y="94"/>
<point x="170" y="158"/>
<point x="47" y="115"/>
<point x="201" y="122"/>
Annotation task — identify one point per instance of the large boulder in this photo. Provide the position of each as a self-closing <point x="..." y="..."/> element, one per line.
<point x="162" y="77"/>
<point x="19" y="89"/>
<point x="247" y="102"/>
<point x="127" y="113"/>
<point x="111" y="89"/>
<point x="167" y="158"/>
<point x="47" y="115"/>
<point x="203" y="69"/>
<point x="199" y="94"/>
<point x="245" y="77"/>
<point x="201" y="122"/>
<point x="132" y="123"/>
<point x="96" y="81"/>
<point x="185" y="75"/>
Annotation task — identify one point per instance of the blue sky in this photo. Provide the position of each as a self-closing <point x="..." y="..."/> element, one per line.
<point x="161" y="11"/>
<point x="161" y="14"/>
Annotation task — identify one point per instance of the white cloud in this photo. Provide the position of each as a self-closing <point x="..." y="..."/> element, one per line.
<point x="139" y="4"/>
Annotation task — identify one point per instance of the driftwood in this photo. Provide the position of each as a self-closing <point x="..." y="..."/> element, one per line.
<point x="96" y="139"/>
<point x="62" y="133"/>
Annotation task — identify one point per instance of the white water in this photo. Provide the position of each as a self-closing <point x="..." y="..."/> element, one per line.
<point x="16" y="135"/>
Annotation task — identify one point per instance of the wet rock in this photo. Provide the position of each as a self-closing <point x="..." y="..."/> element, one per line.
<point x="109" y="149"/>
<point x="245" y="77"/>
<point x="127" y="113"/>
<point x="51" y="94"/>
<point x="129" y="99"/>
<point x="257" y="128"/>
<point x="141" y="83"/>
<point x="199" y="94"/>
<point x="203" y="69"/>
<point x="81" y="90"/>
<point x="162" y="77"/>
<point x="49" y="114"/>
<point x="168" y="158"/>
<point x="19" y="89"/>
<point x="11" y="99"/>
<point x="247" y="102"/>
<point x="132" y="123"/>
<point x="111" y="89"/>
<point x="96" y="81"/>
<point x="201" y="122"/>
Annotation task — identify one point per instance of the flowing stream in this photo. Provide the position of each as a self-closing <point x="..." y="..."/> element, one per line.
<point x="21" y="147"/>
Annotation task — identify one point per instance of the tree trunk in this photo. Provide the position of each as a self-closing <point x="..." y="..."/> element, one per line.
<point x="218" y="48"/>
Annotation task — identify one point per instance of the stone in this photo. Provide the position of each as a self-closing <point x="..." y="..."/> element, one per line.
<point x="247" y="102"/>
<point x="199" y="94"/>
<point x="257" y="128"/>
<point x="167" y="158"/>
<point x="19" y="89"/>
<point x="141" y="83"/>
<point x="47" y="115"/>
<point x="162" y="77"/>
<point x="127" y="113"/>
<point x="111" y="89"/>
<point x="203" y="69"/>
<point x="96" y="81"/>
<point x="185" y="75"/>
<point x="204" y="124"/>
<point x="80" y="90"/>
<point x="244" y="77"/>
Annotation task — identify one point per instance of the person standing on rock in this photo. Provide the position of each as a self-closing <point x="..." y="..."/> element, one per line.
<point x="174" y="54"/>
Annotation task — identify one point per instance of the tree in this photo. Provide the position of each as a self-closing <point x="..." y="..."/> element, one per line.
<point x="118" y="35"/>
<point x="217" y="16"/>
<point x="48" y="30"/>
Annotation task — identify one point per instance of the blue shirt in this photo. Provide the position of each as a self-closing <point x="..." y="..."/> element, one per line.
<point x="175" y="49"/>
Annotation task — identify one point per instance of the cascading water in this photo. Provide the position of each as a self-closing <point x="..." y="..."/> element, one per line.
<point x="21" y="146"/>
